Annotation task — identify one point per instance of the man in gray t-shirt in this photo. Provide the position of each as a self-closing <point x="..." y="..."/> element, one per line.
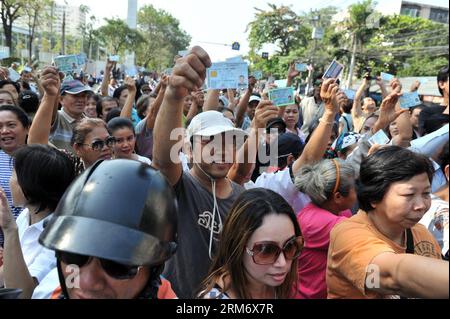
<point x="205" y="194"/>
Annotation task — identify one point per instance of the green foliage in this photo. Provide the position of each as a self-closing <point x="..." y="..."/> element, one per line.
<point x="165" y="37"/>
<point x="117" y="36"/>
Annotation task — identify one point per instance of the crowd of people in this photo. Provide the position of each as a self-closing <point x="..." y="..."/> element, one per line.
<point x="166" y="190"/>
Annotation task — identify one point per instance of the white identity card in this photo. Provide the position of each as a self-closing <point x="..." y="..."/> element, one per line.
<point x="409" y="100"/>
<point x="226" y="75"/>
<point x="282" y="97"/>
<point x="379" y="138"/>
<point x="333" y="71"/>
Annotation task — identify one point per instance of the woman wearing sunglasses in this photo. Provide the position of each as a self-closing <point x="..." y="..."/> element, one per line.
<point x="259" y="246"/>
<point x="91" y="142"/>
<point x="331" y="186"/>
<point x="41" y="175"/>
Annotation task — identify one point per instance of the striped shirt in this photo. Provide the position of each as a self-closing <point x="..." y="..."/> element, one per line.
<point x="62" y="130"/>
<point x="6" y="169"/>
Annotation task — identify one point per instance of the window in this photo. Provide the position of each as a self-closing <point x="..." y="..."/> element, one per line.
<point x="439" y="15"/>
<point x="410" y="10"/>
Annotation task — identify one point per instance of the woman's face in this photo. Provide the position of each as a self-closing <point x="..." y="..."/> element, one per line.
<point x="125" y="143"/>
<point x="123" y="98"/>
<point x="12" y="133"/>
<point x="5" y="99"/>
<point x="91" y="108"/>
<point x="278" y="229"/>
<point x="393" y="129"/>
<point x="187" y="104"/>
<point x="89" y="155"/>
<point x="291" y="116"/>
<point x="368" y="124"/>
<point x="16" y="191"/>
<point x="406" y="202"/>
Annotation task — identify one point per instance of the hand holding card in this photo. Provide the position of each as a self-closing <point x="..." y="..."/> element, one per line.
<point x="282" y="97"/>
<point x="333" y="71"/>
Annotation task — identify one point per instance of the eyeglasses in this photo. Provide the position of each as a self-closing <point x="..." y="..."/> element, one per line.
<point x="113" y="269"/>
<point x="99" y="145"/>
<point x="267" y="253"/>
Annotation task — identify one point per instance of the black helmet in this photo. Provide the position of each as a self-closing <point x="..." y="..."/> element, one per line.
<point x="119" y="210"/>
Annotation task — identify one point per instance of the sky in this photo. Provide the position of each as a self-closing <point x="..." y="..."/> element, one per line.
<point x="213" y="21"/>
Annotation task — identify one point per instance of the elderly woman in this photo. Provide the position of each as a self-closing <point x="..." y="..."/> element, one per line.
<point x="383" y="252"/>
<point x="331" y="186"/>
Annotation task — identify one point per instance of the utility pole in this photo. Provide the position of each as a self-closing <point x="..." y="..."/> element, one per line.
<point x="352" y="62"/>
<point x="63" y="40"/>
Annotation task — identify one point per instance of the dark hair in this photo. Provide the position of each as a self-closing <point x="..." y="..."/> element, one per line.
<point x="115" y="112"/>
<point x="246" y="216"/>
<point x="315" y="124"/>
<point x="118" y="91"/>
<point x="29" y="101"/>
<point x="26" y="86"/>
<point x="84" y="127"/>
<point x="6" y="82"/>
<point x="43" y="174"/>
<point x="443" y="157"/>
<point x="223" y="109"/>
<point x="119" y="123"/>
<point x="19" y="112"/>
<point x="385" y="167"/>
<point x="347" y="108"/>
<point x="101" y="101"/>
<point x="442" y="77"/>
<point x="142" y="105"/>
<point x="418" y="107"/>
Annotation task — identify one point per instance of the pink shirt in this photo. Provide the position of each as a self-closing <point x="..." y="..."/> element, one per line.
<point x="316" y="225"/>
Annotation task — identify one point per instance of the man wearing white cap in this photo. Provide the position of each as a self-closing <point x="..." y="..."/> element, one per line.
<point x="205" y="194"/>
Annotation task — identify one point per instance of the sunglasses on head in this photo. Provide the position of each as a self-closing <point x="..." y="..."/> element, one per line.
<point x="112" y="268"/>
<point x="99" y="144"/>
<point x="267" y="253"/>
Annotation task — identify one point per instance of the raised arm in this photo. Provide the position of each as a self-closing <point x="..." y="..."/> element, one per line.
<point x="246" y="155"/>
<point x="107" y="76"/>
<point x="195" y="106"/>
<point x="243" y="102"/>
<point x="15" y="270"/>
<point x="188" y="74"/>
<point x="317" y="145"/>
<point x="40" y="128"/>
<point x="384" y="91"/>
<point x="128" y="107"/>
<point x="211" y="100"/>
<point x="154" y="108"/>
<point x="292" y="74"/>
<point x="357" y="108"/>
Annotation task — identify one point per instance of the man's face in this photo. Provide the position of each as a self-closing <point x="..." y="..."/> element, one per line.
<point x="74" y="104"/>
<point x="251" y="109"/>
<point x="107" y="106"/>
<point x="415" y="118"/>
<point x="369" y="106"/>
<point x="93" y="282"/>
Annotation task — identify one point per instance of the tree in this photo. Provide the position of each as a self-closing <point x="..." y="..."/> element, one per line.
<point x="11" y="10"/>
<point x="166" y="38"/>
<point x="280" y="26"/>
<point x="35" y="12"/>
<point x="117" y="36"/>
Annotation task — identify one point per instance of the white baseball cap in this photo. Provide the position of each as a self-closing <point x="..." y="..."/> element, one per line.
<point x="254" y="98"/>
<point x="212" y="123"/>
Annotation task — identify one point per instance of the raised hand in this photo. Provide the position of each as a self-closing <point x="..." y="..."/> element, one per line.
<point x="265" y="111"/>
<point x="388" y="113"/>
<point x="130" y="84"/>
<point x="331" y="95"/>
<point x="292" y="72"/>
<point x="51" y="81"/>
<point x="189" y="73"/>
<point x="7" y="221"/>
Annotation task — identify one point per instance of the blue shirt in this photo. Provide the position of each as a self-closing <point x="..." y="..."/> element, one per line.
<point x="6" y="169"/>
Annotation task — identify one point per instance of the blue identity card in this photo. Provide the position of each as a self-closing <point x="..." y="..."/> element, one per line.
<point x="66" y="64"/>
<point x="227" y="75"/>
<point x="282" y="97"/>
<point x="409" y="100"/>
<point x="333" y="71"/>
<point x="350" y="94"/>
<point x="386" y="77"/>
<point x="379" y="138"/>
<point x="301" y="67"/>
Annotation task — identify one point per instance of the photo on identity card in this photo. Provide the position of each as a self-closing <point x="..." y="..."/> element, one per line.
<point x="409" y="100"/>
<point x="282" y="97"/>
<point x="333" y="71"/>
<point x="227" y="75"/>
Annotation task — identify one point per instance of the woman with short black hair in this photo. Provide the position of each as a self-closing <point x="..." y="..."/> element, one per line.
<point x="383" y="252"/>
<point x="40" y="177"/>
